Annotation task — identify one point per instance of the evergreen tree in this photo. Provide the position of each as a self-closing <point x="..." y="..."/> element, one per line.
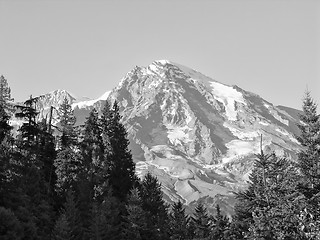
<point x="46" y="154"/>
<point x="121" y="168"/>
<point x="68" y="168"/>
<point x="62" y="229"/>
<point x="35" y="160"/>
<point x="220" y="225"/>
<point x="5" y="95"/>
<point x="14" y="189"/>
<point x="271" y="201"/>
<point x="309" y="158"/>
<point x="106" y="219"/>
<point x="309" y="164"/>
<point x="68" y="162"/>
<point x="84" y="193"/>
<point x="136" y="217"/>
<point x="6" y="167"/>
<point x="236" y="230"/>
<point x="90" y="185"/>
<point x="29" y="129"/>
<point x="10" y="227"/>
<point x="93" y="155"/>
<point x="100" y="228"/>
<point x="5" y="128"/>
<point x="107" y="131"/>
<point x="201" y="222"/>
<point x="67" y="122"/>
<point x="72" y="215"/>
<point x="178" y="222"/>
<point x="155" y="208"/>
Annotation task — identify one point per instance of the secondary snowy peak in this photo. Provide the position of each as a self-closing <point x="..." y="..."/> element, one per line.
<point x="52" y="99"/>
<point x="56" y="97"/>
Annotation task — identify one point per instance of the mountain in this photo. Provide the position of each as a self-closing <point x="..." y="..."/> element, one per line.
<point x="197" y="135"/>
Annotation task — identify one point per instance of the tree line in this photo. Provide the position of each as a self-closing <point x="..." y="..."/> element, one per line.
<point x="81" y="184"/>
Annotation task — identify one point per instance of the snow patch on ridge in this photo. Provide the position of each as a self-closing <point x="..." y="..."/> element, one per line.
<point x="228" y="96"/>
<point x="284" y="132"/>
<point x="163" y="62"/>
<point x="279" y="118"/>
<point x="264" y="123"/>
<point x="153" y="69"/>
<point x="88" y="103"/>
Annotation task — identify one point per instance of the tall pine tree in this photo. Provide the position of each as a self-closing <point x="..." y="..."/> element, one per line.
<point x="67" y="122"/>
<point x="178" y="222"/>
<point x="5" y="95"/>
<point x="201" y="222"/>
<point x="309" y="157"/>
<point x="121" y="168"/>
<point x="220" y="225"/>
<point x="136" y="216"/>
<point x="106" y="219"/>
<point x="35" y="159"/>
<point x="29" y="130"/>
<point x="271" y="205"/>
<point x="92" y="150"/>
<point x="309" y="163"/>
<point x="155" y="208"/>
<point x="68" y="169"/>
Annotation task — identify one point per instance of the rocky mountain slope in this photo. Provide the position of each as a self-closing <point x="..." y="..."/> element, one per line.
<point x="197" y="135"/>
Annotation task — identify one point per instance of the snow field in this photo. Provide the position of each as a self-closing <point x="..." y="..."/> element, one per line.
<point x="228" y="96"/>
<point x="178" y="135"/>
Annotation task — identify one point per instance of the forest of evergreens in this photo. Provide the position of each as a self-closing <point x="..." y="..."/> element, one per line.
<point x="81" y="184"/>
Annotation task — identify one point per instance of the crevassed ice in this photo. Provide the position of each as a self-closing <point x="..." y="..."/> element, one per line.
<point x="242" y="134"/>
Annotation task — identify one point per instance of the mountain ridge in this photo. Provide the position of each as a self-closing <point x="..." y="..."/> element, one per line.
<point x="197" y="135"/>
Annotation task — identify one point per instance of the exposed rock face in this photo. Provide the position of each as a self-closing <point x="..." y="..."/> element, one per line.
<point x="198" y="136"/>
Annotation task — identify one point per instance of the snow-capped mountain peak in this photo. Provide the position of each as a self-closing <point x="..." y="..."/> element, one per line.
<point x="197" y="135"/>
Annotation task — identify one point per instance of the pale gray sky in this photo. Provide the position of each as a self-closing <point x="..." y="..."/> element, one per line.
<point x="271" y="48"/>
